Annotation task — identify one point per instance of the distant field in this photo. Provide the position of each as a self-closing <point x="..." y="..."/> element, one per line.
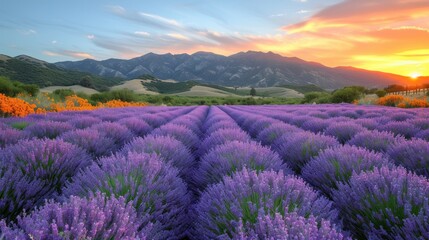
<point x="136" y="86"/>
<point x="75" y="88"/>
<point x="276" y="92"/>
<point x="201" y="91"/>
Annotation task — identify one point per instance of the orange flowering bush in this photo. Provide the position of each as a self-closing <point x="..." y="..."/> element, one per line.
<point x="391" y="100"/>
<point x="402" y="102"/>
<point x="24" y="105"/>
<point x="119" y="103"/>
<point x="15" y="107"/>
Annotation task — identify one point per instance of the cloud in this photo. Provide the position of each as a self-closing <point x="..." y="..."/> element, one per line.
<point x="303" y="11"/>
<point x="178" y="36"/>
<point x="90" y="36"/>
<point x="68" y="53"/>
<point x="142" y="34"/>
<point x="54" y="41"/>
<point x="27" y="31"/>
<point x="162" y="20"/>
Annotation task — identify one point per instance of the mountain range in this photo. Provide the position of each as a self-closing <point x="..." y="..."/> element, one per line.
<point x="244" y="69"/>
<point x="250" y="68"/>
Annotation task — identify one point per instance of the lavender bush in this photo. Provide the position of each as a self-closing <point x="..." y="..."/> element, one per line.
<point x="343" y="131"/>
<point x="225" y="160"/>
<point x="375" y="140"/>
<point x="94" y="142"/>
<point x="297" y="149"/>
<point x="97" y="217"/>
<point x="220" y="137"/>
<point x="33" y="170"/>
<point x="336" y="165"/>
<point x="48" y="129"/>
<point x="152" y="186"/>
<point x="412" y="154"/>
<point x="249" y="195"/>
<point x="385" y="204"/>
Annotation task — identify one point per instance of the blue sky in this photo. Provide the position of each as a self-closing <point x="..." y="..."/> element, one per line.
<point x="70" y="30"/>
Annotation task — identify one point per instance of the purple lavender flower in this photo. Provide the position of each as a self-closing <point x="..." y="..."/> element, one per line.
<point x="401" y="116"/>
<point x="367" y="123"/>
<point x="152" y="186"/>
<point x="344" y="131"/>
<point x="154" y="120"/>
<point x="249" y="195"/>
<point x="298" y="148"/>
<point x="168" y="149"/>
<point x="220" y="137"/>
<point x="191" y="123"/>
<point x="84" y="121"/>
<point x="97" y="217"/>
<point x="11" y="136"/>
<point x="269" y="135"/>
<point x="289" y="226"/>
<point x="226" y="159"/>
<point x="225" y="124"/>
<point x="137" y="126"/>
<point x="336" y="165"/>
<point x="179" y="132"/>
<point x="120" y="134"/>
<point x="48" y="129"/>
<point x="422" y="123"/>
<point x="385" y="204"/>
<point x="260" y="124"/>
<point x="375" y="140"/>
<point x="423" y="135"/>
<point x="400" y="128"/>
<point x="315" y="125"/>
<point x="412" y="154"/>
<point x="94" y="142"/>
<point x="33" y="170"/>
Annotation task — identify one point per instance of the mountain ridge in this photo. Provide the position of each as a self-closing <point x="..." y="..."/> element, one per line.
<point x="242" y="69"/>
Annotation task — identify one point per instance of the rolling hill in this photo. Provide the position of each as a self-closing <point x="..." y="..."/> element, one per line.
<point x="30" y="70"/>
<point x="243" y="69"/>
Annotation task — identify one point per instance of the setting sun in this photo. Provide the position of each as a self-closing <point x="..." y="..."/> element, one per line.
<point x="415" y="75"/>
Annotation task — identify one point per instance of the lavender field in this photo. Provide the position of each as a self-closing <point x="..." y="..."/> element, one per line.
<point x="220" y="172"/>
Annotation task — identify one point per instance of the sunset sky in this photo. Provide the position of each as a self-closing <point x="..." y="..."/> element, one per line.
<point x="385" y="35"/>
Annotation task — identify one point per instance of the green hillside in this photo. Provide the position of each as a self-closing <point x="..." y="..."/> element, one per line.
<point x="44" y="74"/>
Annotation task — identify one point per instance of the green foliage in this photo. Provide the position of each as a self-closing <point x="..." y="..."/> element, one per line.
<point x="61" y="94"/>
<point x="347" y="95"/>
<point x="13" y="88"/>
<point x="169" y="87"/>
<point x="44" y="75"/>
<point x="147" y="77"/>
<point x="19" y="125"/>
<point x="394" y="88"/>
<point x="125" y="95"/>
<point x="86" y="81"/>
<point x="252" y="92"/>
<point x="305" y="88"/>
<point x="427" y="93"/>
<point x="317" y="97"/>
<point x="381" y="93"/>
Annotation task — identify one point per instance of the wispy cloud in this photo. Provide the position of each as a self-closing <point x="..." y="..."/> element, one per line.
<point x="68" y="53"/>
<point x="27" y="31"/>
<point x="142" y="34"/>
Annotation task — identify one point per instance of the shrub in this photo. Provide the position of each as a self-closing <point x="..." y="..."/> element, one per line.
<point x="94" y="142"/>
<point x="249" y="195"/>
<point x="375" y="140"/>
<point x="220" y="137"/>
<point x="346" y="95"/>
<point x="422" y="123"/>
<point x="297" y="149"/>
<point x="139" y="127"/>
<point x="167" y="148"/>
<point x="33" y="170"/>
<point x="221" y="125"/>
<point x="315" y="125"/>
<point x="423" y="135"/>
<point x="225" y="160"/>
<point x="179" y="132"/>
<point x="63" y="93"/>
<point x="11" y="136"/>
<point x="80" y="218"/>
<point x="270" y="134"/>
<point x="120" y="134"/>
<point x="152" y="186"/>
<point x="84" y="121"/>
<point x="385" y="204"/>
<point x="381" y="93"/>
<point x="48" y="129"/>
<point x="343" y="131"/>
<point x="391" y="100"/>
<point x="15" y="107"/>
<point x="336" y="165"/>
<point x="260" y="124"/>
<point x="289" y="226"/>
<point x="412" y="154"/>
<point x="400" y="128"/>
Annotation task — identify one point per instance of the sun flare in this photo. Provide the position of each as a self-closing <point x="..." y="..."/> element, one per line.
<point x="415" y="75"/>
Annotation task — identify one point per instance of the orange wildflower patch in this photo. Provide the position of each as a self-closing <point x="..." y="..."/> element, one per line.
<point x="15" y="107"/>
